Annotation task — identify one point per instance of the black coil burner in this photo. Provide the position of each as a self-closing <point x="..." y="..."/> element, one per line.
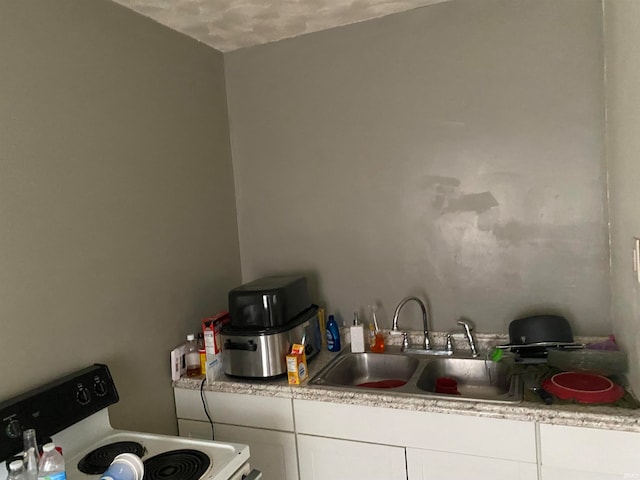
<point x="98" y="460"/>
<point x="183" y="464"/>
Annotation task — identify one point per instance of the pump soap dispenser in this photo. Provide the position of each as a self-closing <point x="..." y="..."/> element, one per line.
<point x="357" y="335"/>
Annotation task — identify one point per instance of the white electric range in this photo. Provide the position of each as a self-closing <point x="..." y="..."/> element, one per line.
<point x="73" y="413"/>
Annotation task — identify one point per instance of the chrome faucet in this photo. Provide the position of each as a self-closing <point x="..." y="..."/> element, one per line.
<point x="468" y="328"/>
<point x="425" y="319"/>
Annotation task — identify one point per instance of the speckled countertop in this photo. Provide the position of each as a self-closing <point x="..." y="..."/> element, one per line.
<point x="604" y="417"/>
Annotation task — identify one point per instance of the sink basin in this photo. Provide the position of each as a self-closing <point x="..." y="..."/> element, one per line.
<point x="416" y="374"/>
<point x="370" y="370"/>
<point x="475" y="378"/>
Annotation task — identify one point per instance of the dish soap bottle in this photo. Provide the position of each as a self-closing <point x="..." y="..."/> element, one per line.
<point x="377" y="341"/>
<point x="357" y="335"/>
<point x="333" y="335"/>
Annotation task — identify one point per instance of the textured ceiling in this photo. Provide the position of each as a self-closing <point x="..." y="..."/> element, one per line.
<point x="231" y="24"/>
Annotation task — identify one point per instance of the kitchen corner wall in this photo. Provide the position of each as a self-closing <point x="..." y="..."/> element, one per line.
<point x="117" y="215"/>
<point x="622" y="40"/>
<point x="454" y="151"/>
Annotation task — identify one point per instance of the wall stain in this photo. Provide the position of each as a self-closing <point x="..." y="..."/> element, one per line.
<point x="473" y="202"/>
<point x="441" y="184"/>
<point x="514" y="232"/>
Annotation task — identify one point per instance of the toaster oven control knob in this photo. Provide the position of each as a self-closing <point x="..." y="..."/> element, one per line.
<point x="100" y="387"/>
<point x="14" y="429"/>
<point x="83" y="396"/>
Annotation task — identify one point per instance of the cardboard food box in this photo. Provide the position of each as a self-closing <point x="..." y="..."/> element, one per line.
<point x="297" y="370"/>
<point x="211" y="327"/>
<point x="178" y="362"/>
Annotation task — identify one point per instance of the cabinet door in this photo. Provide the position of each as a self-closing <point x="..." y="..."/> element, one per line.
<point x="607" y="454"/>
<point x="271" y="452"/>
<point x="330" y="459"/>
<point x="553" y="473"/>
<point x="432" y="465"/>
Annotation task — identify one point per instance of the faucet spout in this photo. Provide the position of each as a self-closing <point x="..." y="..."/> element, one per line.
<point x="425" y="319"/>
<point x="468" y="328"/>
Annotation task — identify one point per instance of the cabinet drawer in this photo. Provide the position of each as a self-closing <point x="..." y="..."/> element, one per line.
<point x="236" y="409"/>
<point x="485" y="437"/>
<point x="590" y="450"/>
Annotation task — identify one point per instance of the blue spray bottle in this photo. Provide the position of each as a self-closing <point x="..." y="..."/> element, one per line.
<point x="333" y="335"/>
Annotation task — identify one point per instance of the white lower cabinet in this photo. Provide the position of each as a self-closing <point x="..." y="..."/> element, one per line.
<point x="263" y="423"/>
<point x="554" y="473"/>
<point x="273" y="453"/>
<point x="411" y="445"/>
<point x="335" y="441"/>
<point x="332" y="459"/>
<point x="572" y="453"/>
<point x="432" y="465"/>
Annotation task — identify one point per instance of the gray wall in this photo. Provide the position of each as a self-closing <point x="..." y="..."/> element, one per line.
<point x="454" y="151"/>
<point x="622" y="37"/>
<point x="117" y="215"/>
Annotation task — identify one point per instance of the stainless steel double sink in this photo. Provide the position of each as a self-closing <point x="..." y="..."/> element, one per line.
<point x="466" y="378"/>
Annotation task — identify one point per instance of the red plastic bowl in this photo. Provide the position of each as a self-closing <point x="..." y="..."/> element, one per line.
<point x="447" y="385"/>
<point x="583" y="387"/>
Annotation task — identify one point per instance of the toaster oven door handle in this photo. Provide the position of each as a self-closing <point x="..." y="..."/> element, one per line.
<point x="250" y="346"/>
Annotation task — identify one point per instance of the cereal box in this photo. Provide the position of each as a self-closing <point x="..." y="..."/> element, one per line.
<point x="297" y="370"/>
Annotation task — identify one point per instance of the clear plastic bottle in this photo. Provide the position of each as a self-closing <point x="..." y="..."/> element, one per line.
<point x="16" y="470"/>
<point x="31" y="454"/>
<point x="51" y="466"/>
<point x="31" y="464"/>
<point x="192" y="356"/>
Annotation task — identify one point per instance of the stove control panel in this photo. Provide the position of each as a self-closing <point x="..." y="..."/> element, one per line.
<point x="55" y="406"/>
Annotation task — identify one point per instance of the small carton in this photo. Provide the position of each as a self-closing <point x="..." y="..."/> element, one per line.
<point x="178" y="362"/>
<point x="297" y="370"/>
<point x="211" y="327"/>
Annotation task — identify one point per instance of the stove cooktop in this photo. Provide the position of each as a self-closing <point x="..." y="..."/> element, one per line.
<point x="218" y="460"/>
<point x="95" y="432"/>
<point x="73" y="412"/>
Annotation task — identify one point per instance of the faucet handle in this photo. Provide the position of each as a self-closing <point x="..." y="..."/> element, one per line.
<point x="449" y="346"/>
<point x="405" y="342"/>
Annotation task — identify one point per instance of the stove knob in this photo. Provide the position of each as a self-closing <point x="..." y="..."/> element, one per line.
<point x="14" y="429"/>
<point x="83" y="396"/>
<point x="100" y="387"/>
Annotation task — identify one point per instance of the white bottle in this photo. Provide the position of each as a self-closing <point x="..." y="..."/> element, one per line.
<point x="357" y="335"/>
<point x="192" y="356"/>
<point x="16" y="470"/>
<point x="51" y="466"/>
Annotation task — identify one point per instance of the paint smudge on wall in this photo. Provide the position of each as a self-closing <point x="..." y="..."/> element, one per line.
<point x="474" y="202"/>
